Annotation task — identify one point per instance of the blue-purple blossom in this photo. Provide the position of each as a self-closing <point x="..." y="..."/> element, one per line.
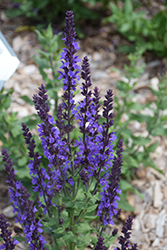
<point x="69" y="74"/>
<point x="124" y="240"/>
<point x="96" y="147"/>
<point x="54" y="147"/>
<point x="71" y="181"/>
<point x="41" y="179"/>
<point x="24" y="207"/>
<point x="109" y="196"/>
<point x="69" y="59"/>
<point x="5" y="234"/>
<point x="100" y="244"/>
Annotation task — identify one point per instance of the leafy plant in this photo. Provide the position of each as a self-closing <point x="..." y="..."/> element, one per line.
<point x="49" y="60"/>
<point x="50" y="11"/>
<point x="138" y="148"/>
<point x="78" y="188"/>
<point x="10" y="136"/>
<point x="143" y="32"/>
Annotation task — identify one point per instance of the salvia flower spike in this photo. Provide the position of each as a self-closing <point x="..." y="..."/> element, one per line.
<point x="5" y="234"/>
<point x="24" y="207"/>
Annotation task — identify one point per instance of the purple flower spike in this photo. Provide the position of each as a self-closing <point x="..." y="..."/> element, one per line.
<point x="100" y="244"/>
<point x="108" y="205"/>
<point x="69" y="74"/>
<point x="87" y="114"/>
<point x="24" y="208"/>
<point x="69" y="60"/>
<point x="124" y="240"/>
<point x="55" y="148"/>
<point x="41" y="180"/>
<point x="6" y="235"/>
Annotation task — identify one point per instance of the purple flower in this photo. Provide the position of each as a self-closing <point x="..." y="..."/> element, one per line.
<point x="6" y="235"/>
<point x="15" y="5"/>
<point x="84" y="177"/>
<point x="124" y="240"/>
<point x="69" y="75"/>
<point x="42" y="180"/>
<point x="100" y="244"/>
<point x="54" y="146"/>
<point x="24" y="207"/>
<point x="71" y="181"/>
<point x="95" y="148"/>
<point x="108" y="204"/>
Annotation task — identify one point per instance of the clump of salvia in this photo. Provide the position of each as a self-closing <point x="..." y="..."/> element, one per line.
<point x="86" y="166"/>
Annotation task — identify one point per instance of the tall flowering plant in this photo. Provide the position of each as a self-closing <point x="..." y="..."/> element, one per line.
<point x="78" y="189"/>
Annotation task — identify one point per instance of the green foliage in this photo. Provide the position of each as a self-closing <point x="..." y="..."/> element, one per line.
<point x="11" y="137"/>
<point x="146" y="33"/>
<point x="79" y="221"/>
<point x="49" y="59"/>
<point x="53" y="10"/>
<point x="138" y="148"/>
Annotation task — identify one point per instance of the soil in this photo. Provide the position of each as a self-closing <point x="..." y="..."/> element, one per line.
<point x="101" y="46"/>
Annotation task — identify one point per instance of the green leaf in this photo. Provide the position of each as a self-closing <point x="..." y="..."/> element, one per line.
<point x="123" y="204"/>
<point x="83" y="241"/>
<point x="19" y="238"/>
<point x="125" y="27"/>
<point x="2" y="137"/>
<point x="57" y="199"/>
<point x="69" y="237"/>
<point x="134" y="106"/>
<point x="163" y="103"/>
<point x="59" y="230"/>
<point x="92" y="208"/>
<point x="139" y="117"/>
<point x="83" y="228"/>
<point x="108" y="239"/>
<point x="22" y="161"/>
<point x="114" y="8"/>
<point x="23" y="172"/>
<point x="91" y="217"/>
<point x="49" y="32"/>
<point x="152" y="147"/>
<point x="125" y="186"/>
<point x="7" y="102"/>
<point x="160" y="131"/>
<point x="41" y="38"/>
<point x="16" y="130"/>
<point x="11" y="13"/>
<point x="141" y="141"/>
<point x="27" y="99"/>
<point x="46" y="229"/>
<point x="128" y="7"/>
<point x="79" y="205"/>
<point x="80" y="194"/>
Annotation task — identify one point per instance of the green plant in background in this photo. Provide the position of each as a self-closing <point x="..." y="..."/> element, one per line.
<point x="52" y="10"/>
<point x="138" y="148"/>
<point x="49" y="58"/>
<point x="10" y="137"/>
<point x="146" y="33"/>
